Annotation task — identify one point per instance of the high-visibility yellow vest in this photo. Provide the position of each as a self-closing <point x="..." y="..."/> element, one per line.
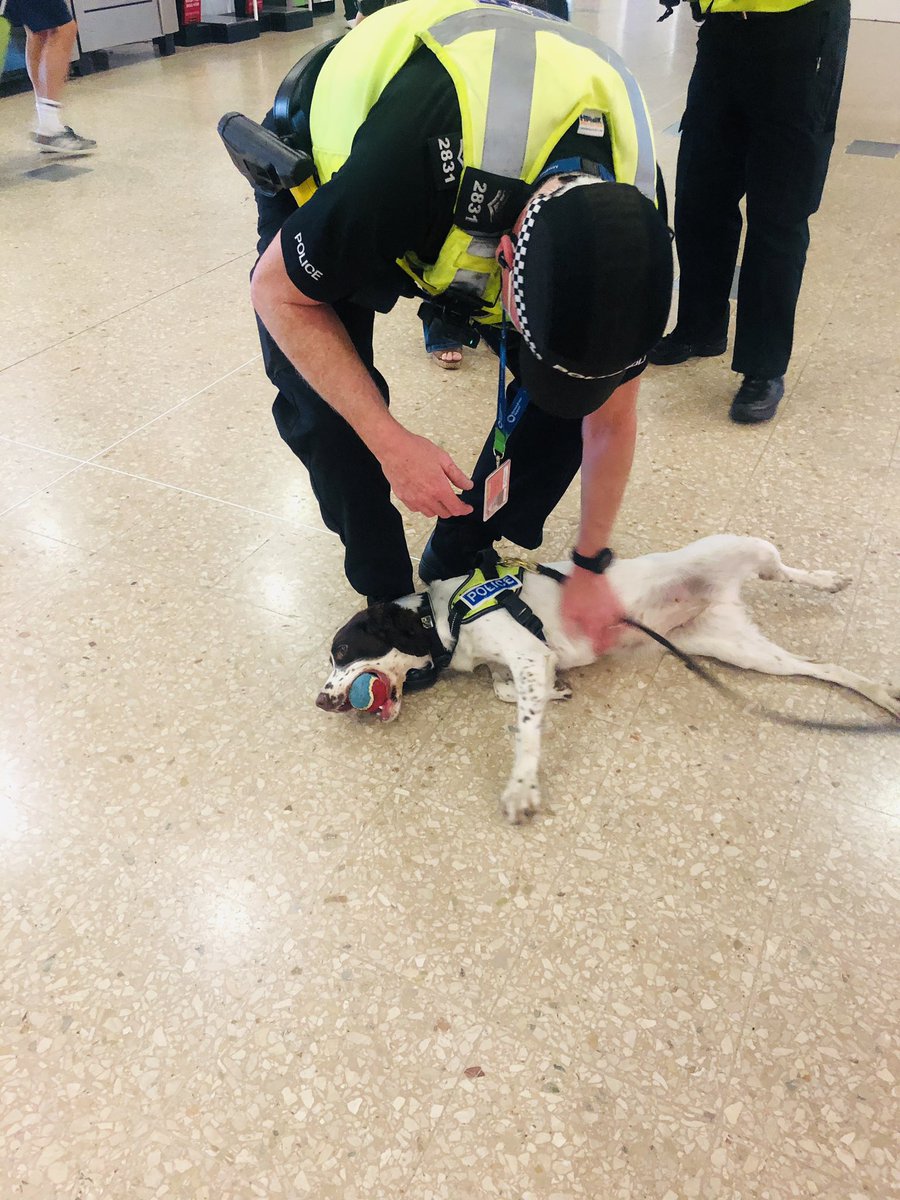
<point x="762" y="6"/>
<point x="499" y="57"/>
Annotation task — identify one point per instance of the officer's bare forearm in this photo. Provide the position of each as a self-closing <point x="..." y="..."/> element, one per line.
<point x="609" y="437"/>
<point x="314" y="340"/>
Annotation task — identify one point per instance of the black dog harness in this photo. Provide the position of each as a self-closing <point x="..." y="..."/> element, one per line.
<point x="494" y="583"/>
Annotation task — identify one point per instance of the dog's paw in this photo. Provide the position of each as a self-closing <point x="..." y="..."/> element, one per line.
<point x="561" y="693"/>
<point x="888" y="698"/>
<point x="831" y="581"/>
<point x="521" y="799"/>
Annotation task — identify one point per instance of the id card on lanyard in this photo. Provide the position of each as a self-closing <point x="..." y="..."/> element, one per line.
<point x="496" y="486"/>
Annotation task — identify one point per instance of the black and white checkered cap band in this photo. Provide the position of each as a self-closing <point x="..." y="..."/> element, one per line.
<point x="517" y="281"/>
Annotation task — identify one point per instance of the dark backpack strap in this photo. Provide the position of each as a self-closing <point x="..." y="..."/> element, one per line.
<point x="294" y="96"/>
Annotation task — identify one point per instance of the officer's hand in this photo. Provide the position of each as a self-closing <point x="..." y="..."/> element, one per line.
<point x="591" y="609"/>
<point x="422" y="476"/>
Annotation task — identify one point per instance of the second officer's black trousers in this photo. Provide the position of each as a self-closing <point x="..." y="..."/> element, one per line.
<point x="759" y="122"/>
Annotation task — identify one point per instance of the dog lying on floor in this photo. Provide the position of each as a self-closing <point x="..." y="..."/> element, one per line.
<point x="692" y="596"/>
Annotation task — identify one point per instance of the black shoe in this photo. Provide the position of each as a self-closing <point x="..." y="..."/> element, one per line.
<point x="430" y="566"/>
<point x="674" y="349"/>
<point x="434" y="566"/>
<point x="420" y="678"/>
<point x="757" y="400"/>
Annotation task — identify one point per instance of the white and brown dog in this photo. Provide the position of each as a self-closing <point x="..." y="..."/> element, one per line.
<point x="692" y="596"/>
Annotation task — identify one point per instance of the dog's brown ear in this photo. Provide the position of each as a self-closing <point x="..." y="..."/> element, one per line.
<point x="399" y="627"/>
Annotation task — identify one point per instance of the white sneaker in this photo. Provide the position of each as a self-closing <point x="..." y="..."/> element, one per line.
<point x="67" y="142"/>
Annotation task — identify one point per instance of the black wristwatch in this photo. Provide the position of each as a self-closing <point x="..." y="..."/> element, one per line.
<point x="596" y="562"/>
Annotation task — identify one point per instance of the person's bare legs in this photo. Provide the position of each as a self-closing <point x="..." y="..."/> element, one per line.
<point x="47" y="56"/>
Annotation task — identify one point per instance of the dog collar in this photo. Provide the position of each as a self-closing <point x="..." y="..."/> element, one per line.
<point x="440" y="655"/>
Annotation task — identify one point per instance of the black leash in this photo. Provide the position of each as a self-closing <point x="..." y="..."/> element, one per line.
<point x="762" y="710"/>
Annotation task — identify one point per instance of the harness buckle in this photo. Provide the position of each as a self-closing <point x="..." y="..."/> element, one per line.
<point x="527" y="564"/>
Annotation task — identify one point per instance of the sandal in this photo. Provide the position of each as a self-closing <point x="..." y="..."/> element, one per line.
<point x="448" y="364"/>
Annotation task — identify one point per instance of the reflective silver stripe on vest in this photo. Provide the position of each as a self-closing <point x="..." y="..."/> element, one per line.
<point x="506" y="125"/>
<point x="506" y="128"/>
<point x="483" y="245"/>
<point x="473" y="283"/>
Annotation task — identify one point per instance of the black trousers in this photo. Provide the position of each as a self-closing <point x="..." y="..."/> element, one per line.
<point x="354" y="496"/>
<point x="760" y="117"/>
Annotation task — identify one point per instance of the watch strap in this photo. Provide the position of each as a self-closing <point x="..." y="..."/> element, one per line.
<point x="597" y="563"/>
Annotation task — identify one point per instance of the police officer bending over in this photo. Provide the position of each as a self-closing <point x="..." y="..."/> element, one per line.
<point x="500" y="163"/>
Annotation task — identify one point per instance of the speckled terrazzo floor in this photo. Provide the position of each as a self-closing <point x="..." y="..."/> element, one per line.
<point x="250" y="950"/>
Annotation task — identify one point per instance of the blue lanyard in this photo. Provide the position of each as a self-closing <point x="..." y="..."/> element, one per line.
<point x="507" y="418"/>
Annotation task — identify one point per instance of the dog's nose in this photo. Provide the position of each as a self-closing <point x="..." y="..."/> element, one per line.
<point x="327" y="701"/>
